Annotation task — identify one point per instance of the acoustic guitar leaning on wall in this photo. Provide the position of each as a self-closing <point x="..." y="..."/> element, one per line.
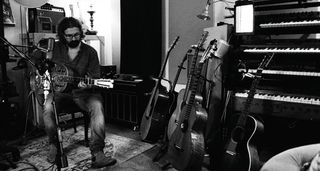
<point x="153" y="120"/>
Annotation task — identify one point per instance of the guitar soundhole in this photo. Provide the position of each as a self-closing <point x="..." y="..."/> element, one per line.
<point x="237" y="134"/>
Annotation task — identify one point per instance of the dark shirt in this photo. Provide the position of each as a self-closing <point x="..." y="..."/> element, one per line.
<point x="85" y="63"/>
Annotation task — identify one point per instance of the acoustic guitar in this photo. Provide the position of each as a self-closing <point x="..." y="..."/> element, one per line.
<point x="240" y="152"/>
<point x="178" y="102"/>
<point x="186" y="145"/>
<point x="182" y="95"/>
<point x="153" y="120"/>
<point x="62" y="77"/>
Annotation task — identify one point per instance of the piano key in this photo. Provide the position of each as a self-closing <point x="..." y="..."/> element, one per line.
<point x="292" y="73"/>
<point x="280" y="50"/>
<point x="287" y="98"/>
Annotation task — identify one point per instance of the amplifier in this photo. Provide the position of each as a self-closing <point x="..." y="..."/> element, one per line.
<point x="108" y="71"/>
<point x="45" y="19"/>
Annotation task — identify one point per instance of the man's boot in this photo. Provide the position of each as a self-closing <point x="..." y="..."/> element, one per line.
<point x="100" y="160"/>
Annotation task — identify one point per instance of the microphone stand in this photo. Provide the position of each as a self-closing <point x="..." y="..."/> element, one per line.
<point x="61" y="158"/>
<point x="21" y="54"/>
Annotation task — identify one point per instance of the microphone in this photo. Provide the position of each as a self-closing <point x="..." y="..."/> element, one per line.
<point x="46" y="86"/>
<point x="209" y="51"/>
<point x="45" y="63"/>
<point x="46" y="67"/>
<point x="222" y="48"/>
<point x="50" y="46"/>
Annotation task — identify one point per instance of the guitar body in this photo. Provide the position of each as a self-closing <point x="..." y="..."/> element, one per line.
<point x="173" y="102"/>
<point x="153" y="120"/>
<point x="63" y="80"/>
<point x="241" y="152"/>
<point x="173" y="121"/>
<point x="60" y="71"/>
<point x="186" y="148"/>
<point x="241" y="156"/>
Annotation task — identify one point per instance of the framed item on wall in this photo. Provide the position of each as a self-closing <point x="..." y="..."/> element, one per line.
<point x="8" y="18"/>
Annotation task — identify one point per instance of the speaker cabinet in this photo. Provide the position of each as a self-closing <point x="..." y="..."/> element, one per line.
<point x="44" y="20"/>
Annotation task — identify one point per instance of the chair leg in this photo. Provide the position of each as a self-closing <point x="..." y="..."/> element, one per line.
<point x="86" y="128"/>
<point x="74" y="122"/>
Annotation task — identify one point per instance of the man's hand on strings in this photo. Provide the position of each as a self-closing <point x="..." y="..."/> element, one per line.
<point x="83" y="84"/>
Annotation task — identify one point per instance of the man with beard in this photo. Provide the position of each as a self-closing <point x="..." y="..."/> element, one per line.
<point x="83" y="60"/>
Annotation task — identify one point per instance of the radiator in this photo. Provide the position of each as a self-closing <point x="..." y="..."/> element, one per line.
<point x="126" y="102"/>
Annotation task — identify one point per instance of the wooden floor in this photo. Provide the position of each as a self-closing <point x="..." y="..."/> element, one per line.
<point x="143" y="161"/>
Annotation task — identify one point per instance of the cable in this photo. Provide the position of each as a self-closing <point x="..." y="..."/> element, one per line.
<point x="51" y="166"/>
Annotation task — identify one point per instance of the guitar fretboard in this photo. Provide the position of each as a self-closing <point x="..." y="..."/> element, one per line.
<point x="69" y="79"/>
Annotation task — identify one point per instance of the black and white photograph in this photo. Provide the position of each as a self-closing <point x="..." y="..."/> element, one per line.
<point x="160" y="85"/>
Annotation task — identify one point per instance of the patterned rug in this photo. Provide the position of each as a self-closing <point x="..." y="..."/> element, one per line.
<point x="79" y="157"/>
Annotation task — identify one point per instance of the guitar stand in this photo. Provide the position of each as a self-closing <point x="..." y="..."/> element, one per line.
<point x="163" y="150"/>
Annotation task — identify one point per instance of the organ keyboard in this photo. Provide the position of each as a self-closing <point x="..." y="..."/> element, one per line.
<point x="298" y="19"/>
<point x="280" y="72"/>
<point x="291" y="24"/>
<point x="292" y="98"/>
<point x="280" y="105"/>
<point x="283" y="50"/>
<point x="290" y="86"/>
<point x="292" y="16"/>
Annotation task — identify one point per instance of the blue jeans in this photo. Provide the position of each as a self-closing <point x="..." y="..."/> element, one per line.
<point x="92" y="103"/>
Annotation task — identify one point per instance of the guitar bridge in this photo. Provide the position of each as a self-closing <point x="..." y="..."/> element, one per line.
<point x="178" y="147"/>
<point x="230" y="152"/>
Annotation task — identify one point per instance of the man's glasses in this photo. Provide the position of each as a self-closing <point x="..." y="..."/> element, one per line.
<point x="69" y="36"/>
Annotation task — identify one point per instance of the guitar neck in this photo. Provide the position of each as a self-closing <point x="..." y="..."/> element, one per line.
<point x="243" y="118"/>
<point x="88" y="81"/>
<point x="193" y="84"/>
<point x="193" y="91"/>
<point x="180" y="67"/>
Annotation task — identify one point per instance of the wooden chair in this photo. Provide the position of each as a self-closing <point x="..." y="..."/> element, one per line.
<point x="37" y="92"/>
<point x="73" y="110"/>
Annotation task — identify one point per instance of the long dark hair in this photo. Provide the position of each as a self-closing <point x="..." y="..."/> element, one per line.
<point x="65" y="23"/>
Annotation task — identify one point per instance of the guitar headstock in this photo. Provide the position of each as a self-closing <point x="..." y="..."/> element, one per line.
<point x="265" y="61"/>
<point x="104" y="83"/>
<point x="202" y="40"/>
<point x="208" y="52"/>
